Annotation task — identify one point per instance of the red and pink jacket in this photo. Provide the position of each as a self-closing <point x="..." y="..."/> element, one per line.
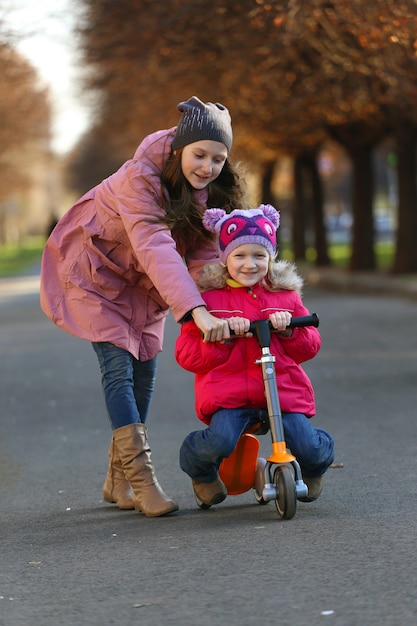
<point x="226" y="374"/>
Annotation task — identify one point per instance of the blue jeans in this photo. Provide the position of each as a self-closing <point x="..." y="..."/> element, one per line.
<point x="202" y="451"/>
<point x="127" y="383"/>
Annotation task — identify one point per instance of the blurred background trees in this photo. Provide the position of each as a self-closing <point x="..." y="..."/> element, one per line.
<point x="24" y="141"/>
<point x="321" y="95"/>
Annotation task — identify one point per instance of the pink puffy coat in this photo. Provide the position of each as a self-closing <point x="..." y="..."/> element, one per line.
<point x="110" y="275"/>
<point x="226" y="373"/>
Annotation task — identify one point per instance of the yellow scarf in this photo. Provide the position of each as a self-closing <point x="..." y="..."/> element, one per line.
<point x="233" y="283"/>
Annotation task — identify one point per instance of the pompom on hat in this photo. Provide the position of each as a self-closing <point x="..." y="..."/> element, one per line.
<point x="239" y="227"/>
<point x="201" y="121"/>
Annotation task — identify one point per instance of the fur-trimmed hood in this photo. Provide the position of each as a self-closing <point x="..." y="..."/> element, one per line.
<point x="282" y="275"/>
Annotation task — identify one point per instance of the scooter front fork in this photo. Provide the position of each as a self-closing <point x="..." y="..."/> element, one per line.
<point x="269" y="491"/>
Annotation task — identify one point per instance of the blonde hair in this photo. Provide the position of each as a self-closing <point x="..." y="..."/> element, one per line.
<point x="281" y="276"/>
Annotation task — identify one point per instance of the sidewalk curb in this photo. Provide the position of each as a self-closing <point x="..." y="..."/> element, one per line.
<point x="15" y="285"/>
<point x="375" y="283"/>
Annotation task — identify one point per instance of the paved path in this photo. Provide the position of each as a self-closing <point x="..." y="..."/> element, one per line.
<point x="68" y="558"/>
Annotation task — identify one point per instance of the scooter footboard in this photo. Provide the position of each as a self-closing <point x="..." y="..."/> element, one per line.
<point x="238" y="470"/>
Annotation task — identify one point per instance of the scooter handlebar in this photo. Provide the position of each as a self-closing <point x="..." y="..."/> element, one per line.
<point x="296" y="322"/>
<point x="304" y="320"/>
<point x="260" y="326"/>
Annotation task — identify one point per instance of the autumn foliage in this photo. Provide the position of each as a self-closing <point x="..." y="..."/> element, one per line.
<point x="293" y="75"/>
<point x="24" y="118"/>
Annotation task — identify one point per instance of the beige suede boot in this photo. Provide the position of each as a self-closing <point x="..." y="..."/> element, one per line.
<point x="116" y="488"/>
<point x="135" y="456"/>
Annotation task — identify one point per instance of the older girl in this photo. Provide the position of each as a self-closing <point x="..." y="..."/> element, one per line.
<point x="124" y="254"/>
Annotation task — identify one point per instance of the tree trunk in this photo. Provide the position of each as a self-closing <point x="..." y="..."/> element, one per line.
<point x="266" y="189"/>
<point x="299" y="212"/>
<point x="363" y="255"/>
<point x="406" y="244"/>
<point x="267" y="177"/>
<point x="322" y="256"/>
<point x="359" y="140"/>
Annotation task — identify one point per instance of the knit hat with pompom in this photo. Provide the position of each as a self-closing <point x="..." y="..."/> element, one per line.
<point x="243" y="226"/>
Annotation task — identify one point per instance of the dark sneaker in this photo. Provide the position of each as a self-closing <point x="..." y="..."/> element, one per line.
<point x="315" y="486"/>
<point x="207" y="494"/>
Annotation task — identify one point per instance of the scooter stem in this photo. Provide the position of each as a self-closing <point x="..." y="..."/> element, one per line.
<point x="279" y="448"/>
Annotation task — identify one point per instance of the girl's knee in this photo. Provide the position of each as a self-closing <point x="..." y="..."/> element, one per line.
<point x="222" y="446"/>
<point x="206" y="446"/>
<point x="318" y="458"/>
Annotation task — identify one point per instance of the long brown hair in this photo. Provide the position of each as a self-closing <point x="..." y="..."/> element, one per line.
<point x="183" y="212"/>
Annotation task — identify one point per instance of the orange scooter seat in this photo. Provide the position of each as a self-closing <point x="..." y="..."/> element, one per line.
<point x="238" y="470"/>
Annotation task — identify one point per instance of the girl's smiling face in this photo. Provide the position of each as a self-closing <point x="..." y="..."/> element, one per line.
<point x="248" y="264"/>
<point x="202" y="162"/>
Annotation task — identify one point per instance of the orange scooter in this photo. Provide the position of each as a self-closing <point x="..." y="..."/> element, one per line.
<point x="279" y="476"/>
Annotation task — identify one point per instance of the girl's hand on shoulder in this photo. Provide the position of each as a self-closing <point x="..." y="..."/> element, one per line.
<point x="239" y="325"/>
<point x="280" y="321"/>
<point x="212" y="328"/>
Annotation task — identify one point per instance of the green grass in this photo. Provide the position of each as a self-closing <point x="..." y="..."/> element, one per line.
<point x="340" y="254"/>
<point x="17" y="258"/>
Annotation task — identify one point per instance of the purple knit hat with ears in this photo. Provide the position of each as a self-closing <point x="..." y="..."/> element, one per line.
<point x="239" y="227"/>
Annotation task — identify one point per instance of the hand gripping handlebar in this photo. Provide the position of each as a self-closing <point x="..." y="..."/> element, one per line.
<point x="296" y="322"/>
<point x="262" y="328"/>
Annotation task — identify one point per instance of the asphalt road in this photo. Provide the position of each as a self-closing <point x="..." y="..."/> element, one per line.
<point x="68" y="558"/>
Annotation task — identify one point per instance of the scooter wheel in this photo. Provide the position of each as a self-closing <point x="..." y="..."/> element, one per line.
<point x="259" y="481"/>
<point x="286" y="499"/>
<point x="259" y="499"/>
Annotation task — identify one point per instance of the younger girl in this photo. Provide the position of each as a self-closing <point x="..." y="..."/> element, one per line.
<point x="229" y="387"/>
